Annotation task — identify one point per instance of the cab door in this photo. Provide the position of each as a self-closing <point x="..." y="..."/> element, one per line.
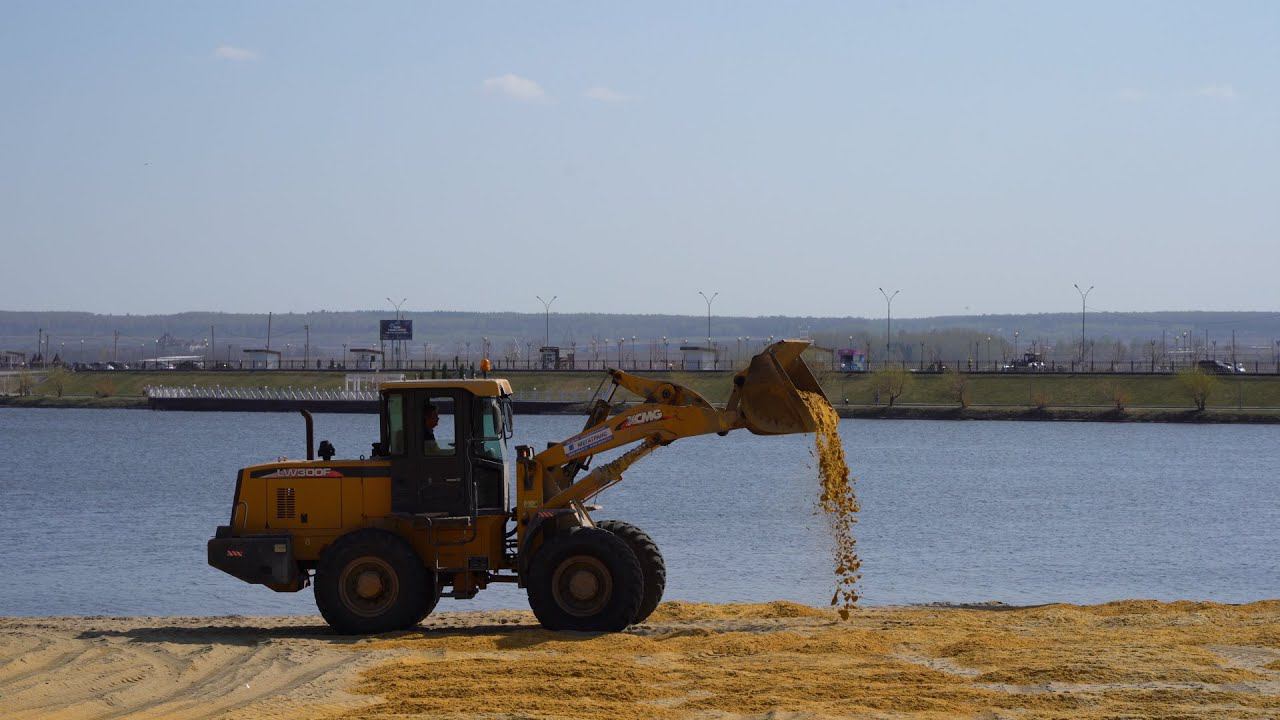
<point x="429" y="468"/>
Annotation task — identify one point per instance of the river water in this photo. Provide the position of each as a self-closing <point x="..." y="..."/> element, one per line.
<point x="108" y="511"/>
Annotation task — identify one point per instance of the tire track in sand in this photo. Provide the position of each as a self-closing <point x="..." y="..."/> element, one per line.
<point x="189" y="668"/>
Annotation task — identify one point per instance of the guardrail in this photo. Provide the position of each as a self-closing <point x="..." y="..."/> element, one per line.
<point x="217" y="392"/>
<point x="169" y="392"/>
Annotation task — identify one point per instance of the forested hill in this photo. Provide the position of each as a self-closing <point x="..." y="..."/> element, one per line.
<point x="450" y="331"/>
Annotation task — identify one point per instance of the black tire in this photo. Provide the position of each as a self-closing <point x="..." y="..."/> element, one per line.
<point x="433" y="598"/>
<point x="585" y="579"/>
<point x="371" y="581"/>
<point x="652" y="566"/>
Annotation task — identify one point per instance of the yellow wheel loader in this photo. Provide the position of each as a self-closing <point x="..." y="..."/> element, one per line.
<point x="428" y="514"/>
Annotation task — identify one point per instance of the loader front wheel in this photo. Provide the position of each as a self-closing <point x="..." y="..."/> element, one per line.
<point x="585" y="579"/>
<point x="371" y="581"/>
<point x="652" y="566"/>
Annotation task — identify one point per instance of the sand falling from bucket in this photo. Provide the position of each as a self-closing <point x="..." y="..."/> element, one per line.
<point x="838" y="500"/>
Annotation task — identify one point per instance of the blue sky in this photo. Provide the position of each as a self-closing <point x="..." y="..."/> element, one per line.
<point x="981" y="157"/>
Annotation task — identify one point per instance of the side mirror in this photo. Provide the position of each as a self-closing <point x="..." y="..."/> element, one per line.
<point x="508" y="421"/>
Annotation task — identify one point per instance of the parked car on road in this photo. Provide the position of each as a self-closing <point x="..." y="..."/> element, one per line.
<point x="1029" y="362"/>
<point x="1217" y="367"/>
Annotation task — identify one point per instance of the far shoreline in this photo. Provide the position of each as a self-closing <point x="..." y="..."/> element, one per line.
<point x="1209" y="416"/>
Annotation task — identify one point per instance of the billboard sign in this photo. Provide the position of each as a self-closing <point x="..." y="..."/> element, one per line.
<point x="395" y="329"/>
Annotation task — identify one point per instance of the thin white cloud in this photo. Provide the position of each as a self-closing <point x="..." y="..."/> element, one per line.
<point x="235" y="54"/>
<point x="604" y="94"/>
<point x="515" y="87"/>
<point x="1132" y="95"/>
<point x="1217" y="92"/>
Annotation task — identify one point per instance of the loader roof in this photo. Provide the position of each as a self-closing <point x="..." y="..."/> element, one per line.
<point x="492" y="387"/>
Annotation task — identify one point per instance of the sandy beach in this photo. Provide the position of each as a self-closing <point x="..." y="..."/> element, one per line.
<point x="777" y="660"/>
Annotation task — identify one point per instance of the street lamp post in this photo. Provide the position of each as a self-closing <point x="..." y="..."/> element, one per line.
<point x="709" y="301"/>
<point x="546" y="306"/>
<point x="888" y="321"/>
<point x="396" y="346"/>
<point x="1084" y="295"/>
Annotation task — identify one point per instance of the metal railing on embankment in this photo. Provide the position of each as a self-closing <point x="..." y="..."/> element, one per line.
<point x="196" y="392"/>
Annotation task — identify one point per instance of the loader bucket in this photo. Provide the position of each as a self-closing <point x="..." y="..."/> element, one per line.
<point x="767" y="394"/>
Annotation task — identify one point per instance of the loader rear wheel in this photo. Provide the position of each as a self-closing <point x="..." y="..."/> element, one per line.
<point x="585" y="579"/>
<point x="433" y="597"/>
<point x="652" y="566"/>
<point x="371" y="581"/>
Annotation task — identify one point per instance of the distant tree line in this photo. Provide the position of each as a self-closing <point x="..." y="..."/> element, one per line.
<point x="1111" y="338"/>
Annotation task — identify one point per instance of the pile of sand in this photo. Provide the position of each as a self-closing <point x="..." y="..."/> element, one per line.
<point x="1133" y="659"/>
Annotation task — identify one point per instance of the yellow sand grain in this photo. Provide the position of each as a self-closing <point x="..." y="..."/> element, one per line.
<point x="838" y="500"/>
<point x="1134" y="660"/>
<point x="680" y="610"/>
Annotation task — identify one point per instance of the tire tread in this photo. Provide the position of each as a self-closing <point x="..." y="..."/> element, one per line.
<point x="652" y="566"/>
<point x="414" y="579"/>
<point x="628" y="580"/>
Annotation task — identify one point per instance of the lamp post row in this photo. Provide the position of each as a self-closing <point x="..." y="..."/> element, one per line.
<point x="42" y="337"/>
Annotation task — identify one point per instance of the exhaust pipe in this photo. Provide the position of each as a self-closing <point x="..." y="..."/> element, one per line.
<point x="311" y="434"/>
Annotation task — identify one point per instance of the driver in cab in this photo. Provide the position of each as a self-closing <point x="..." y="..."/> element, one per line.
<point x="430" y="419"/>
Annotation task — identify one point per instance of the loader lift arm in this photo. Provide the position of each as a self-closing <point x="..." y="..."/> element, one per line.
<point x="765" y="399"/>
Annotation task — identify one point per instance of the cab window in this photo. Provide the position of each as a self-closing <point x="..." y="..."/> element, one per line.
<point x="395" y="424"/>
<point x="489" y="430"/>
<point x="437" y="427"/>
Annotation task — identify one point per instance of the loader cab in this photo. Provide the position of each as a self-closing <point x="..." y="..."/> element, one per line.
<point x="446" y="442"/>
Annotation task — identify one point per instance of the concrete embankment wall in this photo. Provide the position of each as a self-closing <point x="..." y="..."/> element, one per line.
<point x="331" y="406"/>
